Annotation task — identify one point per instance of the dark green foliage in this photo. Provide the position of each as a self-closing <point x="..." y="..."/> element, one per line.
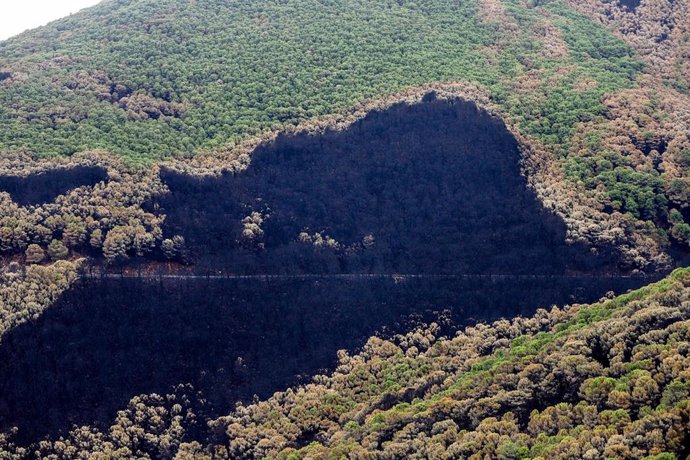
<point x="593" y="54"/>
<point x="638" y="193"/>
<point x="57" y="250"/>
<point x="147" y="79"/>
<point x="237" y="67"/>
<point x="685" y="157"/>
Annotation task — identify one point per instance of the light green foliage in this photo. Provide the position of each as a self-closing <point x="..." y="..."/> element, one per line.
<point x="147" y="79"/>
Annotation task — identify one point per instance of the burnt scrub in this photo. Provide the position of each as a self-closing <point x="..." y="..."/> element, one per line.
<point x="426" y="189"/>
<point x="630" y="5"/>
<point x="108" y="340"/>
<point x="45" y="186"/>
<point x="433" y="187"/>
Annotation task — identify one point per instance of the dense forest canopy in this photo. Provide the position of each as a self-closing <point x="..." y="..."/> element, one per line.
<point x="148" y="79"/>
<point x="207" y="138"/>
<point x="602" y="128"/>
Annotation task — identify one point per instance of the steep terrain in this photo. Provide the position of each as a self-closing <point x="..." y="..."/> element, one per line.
<point x="148" y="79"/>
<point x="433" y="188"/>
<point x="470" y="159"/>
<point x="608" y="380"/>
<point x="198" y="84"/>
<point x="106" y="341"/>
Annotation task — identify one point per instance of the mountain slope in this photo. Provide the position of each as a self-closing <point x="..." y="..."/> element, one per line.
<point x="147" y="79"/>
<point x="608" y="380"/>
<point x="604" y="141"/>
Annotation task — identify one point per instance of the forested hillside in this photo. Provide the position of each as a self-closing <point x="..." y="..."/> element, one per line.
<point x="393" y="175"/>
<point x="197" y="84"/>
<point x="608" y="380"/>
<point x="149" y="79"/>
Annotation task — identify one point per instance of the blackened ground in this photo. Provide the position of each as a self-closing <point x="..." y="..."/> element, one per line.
<point x="437" y="184"/>
<point x="631" y="5"/>
<point x="46" y="186"/>
<point x="108" y="340"/>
